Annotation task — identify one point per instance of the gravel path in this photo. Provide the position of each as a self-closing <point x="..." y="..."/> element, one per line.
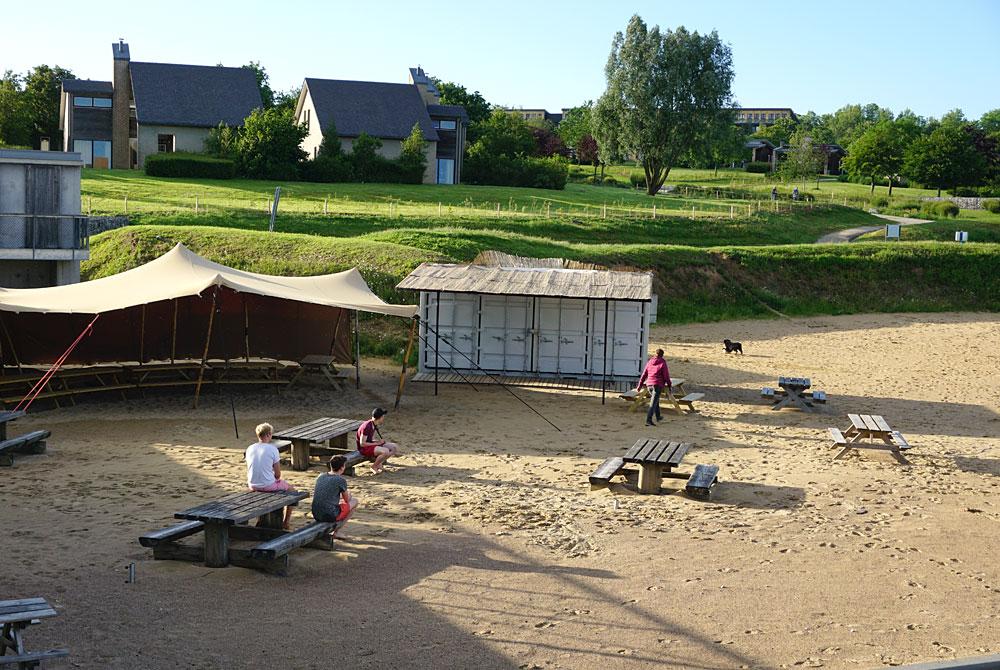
<point x="851" y="234"/>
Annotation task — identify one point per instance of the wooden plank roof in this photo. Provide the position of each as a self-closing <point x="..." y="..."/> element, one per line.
<point x="531" y="281"/>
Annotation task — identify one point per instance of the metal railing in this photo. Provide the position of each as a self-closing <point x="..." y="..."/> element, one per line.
<point x="44" y="232"/>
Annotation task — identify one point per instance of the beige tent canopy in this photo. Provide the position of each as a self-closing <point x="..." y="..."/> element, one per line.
<point x="182" y="306"/>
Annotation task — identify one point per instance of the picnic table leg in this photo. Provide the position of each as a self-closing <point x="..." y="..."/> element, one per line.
<point x="273" y="519"/>
<point x="778" y="404"/>
<point x="339" y="442"/>
<point x="843" y="452"/>
<point x="650" y="478"/>
<point x="300" y="454"/>
<point x="216" y="545"/>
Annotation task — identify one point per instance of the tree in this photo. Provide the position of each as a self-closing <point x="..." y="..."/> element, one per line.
<point x="587" y="151"/>
<point x="664" y="89"/>
<point x="263" y="83"/>
<point x="504" y="134"/>
<point x="15" y="126"/>
<point x="779" y="132"/>
<point x="575" y="125"/>
<point x="803" y="160"/>
<point x="878" y="153"/>
<point x="330" y="146"/>
<point x="269" y="145"/>
<point x="42" y="87"/>
<point x="722" y="143"/>
<point x="223" y="141"/>
<point x="412" y="155"/>
<point x="947" y="158"/>
<point x="547" y="141"/>
<point x="287" y="100"/>
<point x="474" y="103"/>
<point x="990" y="122"/>
<point x="851" y="121"/>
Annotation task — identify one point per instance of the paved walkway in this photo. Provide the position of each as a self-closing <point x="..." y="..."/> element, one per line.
<point x="851" y="234"/>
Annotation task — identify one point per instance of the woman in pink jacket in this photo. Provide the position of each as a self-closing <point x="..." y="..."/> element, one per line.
<point x="655" y="376"/>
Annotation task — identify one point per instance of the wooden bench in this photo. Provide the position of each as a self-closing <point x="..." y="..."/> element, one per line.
<point x="601" y="477"/>
<point x="281" y="545"/>
<point x="818" y="396"/>
<point x="33" y="659"/>
<point x="701" y="481"/>
<point x="838" y="437"/>
<point x="170" y="534"/>
<point x="767" y="392"/>
<point x="898" y="439"/>
<point x="690" y="399"/>
<point x="29" y="443"/>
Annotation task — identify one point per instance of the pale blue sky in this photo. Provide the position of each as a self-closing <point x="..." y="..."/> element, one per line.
<point x="928" y="56"/>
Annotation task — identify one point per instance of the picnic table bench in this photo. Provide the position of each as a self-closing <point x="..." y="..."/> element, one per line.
<point x="656" y="459"/>
<point x="319" y="364"/>
<point x="870" y="427"/>
<point x="794" y="392"/>
<point x="29" y="443"/>
<point x="15" y="616"/>
<point x="254" y="371"/>
<point x="308" y="439"/>
<point x="637" y="399"/>
<point x="225" y="520"/>
<point x="64" y="383"/>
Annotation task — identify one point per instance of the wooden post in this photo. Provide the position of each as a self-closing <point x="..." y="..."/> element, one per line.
<point x="300" y="454"/>
<point x="326" y="202"/>
<point x="173" y="335"/>
<point x="650" y="478"/>
<point x="204" y="359"/>
<point x="126" y="205"/>
<point x="654" y="211"/>
<point x="439" y="209"/>
<point x="246" y="331"/>
<point x="196" y="204"/>
<point x="357" y="350"/>
<point x="406" y="359"/>
<point x="216" y="545"/>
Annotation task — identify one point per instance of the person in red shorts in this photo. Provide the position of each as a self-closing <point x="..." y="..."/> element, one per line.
<point x="374" y="449"/>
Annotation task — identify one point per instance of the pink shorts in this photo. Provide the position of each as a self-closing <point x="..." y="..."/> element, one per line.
<point x="278" y="485"/>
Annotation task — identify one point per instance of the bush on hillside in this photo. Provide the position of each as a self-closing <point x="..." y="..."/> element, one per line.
<point x="484" y="169"/>
<point x="637" y="179"/>
<point x="181" y="164"/>
<point x="364" y="163"/>
<point x="940" y="209"/>
<point x="879" y="202"/>
<point x="269" y="145"/>
<point x="992" y="206"/>
<point x="758" y="167"/>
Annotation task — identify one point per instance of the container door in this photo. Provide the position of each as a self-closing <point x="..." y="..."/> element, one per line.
<point x="625" y="355"/>
<point x="458" y="328"/>
<point x="505" y="336"/>
<point x="562" y="335"/>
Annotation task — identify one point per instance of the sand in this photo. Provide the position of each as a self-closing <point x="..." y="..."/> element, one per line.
<point x="484" y="546"/>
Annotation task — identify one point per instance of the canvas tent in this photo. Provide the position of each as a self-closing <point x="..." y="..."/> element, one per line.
<point x="164" y="310"/>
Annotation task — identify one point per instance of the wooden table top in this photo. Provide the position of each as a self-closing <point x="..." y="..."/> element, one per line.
<point x="872" y="423"/>
<point x="661" y="452"/>
<point x="26" y="609"/>
<point x="798" y="382"/>
<point x="10" y="415"/>
<point x="319" y="430"/>
<point x="240" y="507"/>
<point x="317" y="359"/>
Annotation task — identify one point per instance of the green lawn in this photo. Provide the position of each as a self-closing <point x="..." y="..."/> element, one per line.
<point x="981" y="225"/>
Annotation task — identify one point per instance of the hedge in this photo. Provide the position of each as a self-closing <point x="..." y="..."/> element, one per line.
<point x="759" y="167"/>
<point x="181" y="164"/>
<point x="503" y="171"/>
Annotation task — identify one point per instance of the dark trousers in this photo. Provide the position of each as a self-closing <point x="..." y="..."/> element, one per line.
<point x="654" y="404"/>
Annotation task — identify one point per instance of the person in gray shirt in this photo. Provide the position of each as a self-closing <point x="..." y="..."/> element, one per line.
<point x="331" y="502"/>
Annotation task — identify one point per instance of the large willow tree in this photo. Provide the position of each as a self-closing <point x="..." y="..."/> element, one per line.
<point x="665" y="92"/>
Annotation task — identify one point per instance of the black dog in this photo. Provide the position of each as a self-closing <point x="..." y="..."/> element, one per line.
<point x="733" y="346"/>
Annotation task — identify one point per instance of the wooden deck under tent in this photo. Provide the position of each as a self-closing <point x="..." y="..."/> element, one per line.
<point x="526" y="381"/>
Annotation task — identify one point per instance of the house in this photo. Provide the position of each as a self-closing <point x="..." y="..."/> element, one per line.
<point x="537" y="114"/>
<point x="151" y="108"/>
<point x="761" y="151"/>
<point x="387" y="111"/>
<point x="753" y="118"/>
<point x="543" y="319"/>
<point x="43" y="237"/>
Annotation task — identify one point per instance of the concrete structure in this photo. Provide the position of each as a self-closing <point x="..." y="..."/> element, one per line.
<point x="754" y="118"/>
<point x="388" y="112"/>
<point x="151" y="108"/>
<point x="43" y="238"/>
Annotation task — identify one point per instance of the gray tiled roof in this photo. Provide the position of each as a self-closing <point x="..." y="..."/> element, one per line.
<point x="87" y="86"/>
<point x="448" y="110"/>
<point x="201" y="96"/>
<point x="382" y="110"/>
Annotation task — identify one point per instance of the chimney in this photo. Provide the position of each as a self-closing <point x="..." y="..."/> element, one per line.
<point x="428" y="91"/>
<point x="120" y="103"/>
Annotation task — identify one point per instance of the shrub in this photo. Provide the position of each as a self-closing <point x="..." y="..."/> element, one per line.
<point x="637" y="179"/>
<point x="483" y="168"/>
<point x="611" y="181"/>
<point x="992" y="206"/>
<point x="758" y="167"/>
<point x="268" y="146"/>
<point x="940" y="209"/>
<point x="189" y="165"/>
<point x="879" y="202"/>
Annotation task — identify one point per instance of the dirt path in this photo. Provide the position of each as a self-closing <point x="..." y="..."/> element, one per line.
<point x="851" y="234"/>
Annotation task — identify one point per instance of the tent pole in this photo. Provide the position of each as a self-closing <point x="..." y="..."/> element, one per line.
<point x="437" y="339"/>
<point x="604" y="375"/>
<point x="246" y="330"/>
<point x="357" y="350"/>
<point x="336" y="329"/>
<point x="13" y="351"/>
<point x="208" y="339"/>
<point x="173" y="335"/>
<point x="406" y="358"/>
<point x="142" y="334"/>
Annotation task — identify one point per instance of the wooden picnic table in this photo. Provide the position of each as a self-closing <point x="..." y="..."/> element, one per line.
<point x="319" y="364"/>
<point x="656" y="459"/>
<point x="219" y="516"/>
<point x="795" y="389"/>
<point x="872" y="427"/>
<point x="5" y="418"/>
<point x="308" y="439"/>
<point x="15" y="616"/>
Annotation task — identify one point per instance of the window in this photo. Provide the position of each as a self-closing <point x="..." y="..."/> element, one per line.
<point x="446" y="171"/>
<point x="446" y="124"/>
<point x="306" y="118"/>
<point x="165" y="144"/>
<point x="79" y="101"/>
<point x="95" y="153"/>
<point x="102" y="102"/>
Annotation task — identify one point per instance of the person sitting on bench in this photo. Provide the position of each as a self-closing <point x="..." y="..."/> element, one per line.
<point x="656" y="376"/>
<point x="264" y="467"/>
<point x="331" y="501"/>
<point x="372" y="449"/>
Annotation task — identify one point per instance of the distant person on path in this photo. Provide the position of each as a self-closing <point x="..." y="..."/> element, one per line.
<point x="379" y="450"/>
<point x="795" y="193"/>
<point x="655" y="376"/>
<point x="264" y="467"/>
<point x="331" y="502"/>
<point x="774" y="193"/>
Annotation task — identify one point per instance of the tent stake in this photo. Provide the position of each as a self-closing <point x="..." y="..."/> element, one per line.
<point x="406" y="358"/>
<point x="208" y="339"/>
<point x="173" y="335"/>
<point x="357" y="350"/>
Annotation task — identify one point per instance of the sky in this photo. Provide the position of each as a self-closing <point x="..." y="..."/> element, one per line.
<point x="927" y="56"/>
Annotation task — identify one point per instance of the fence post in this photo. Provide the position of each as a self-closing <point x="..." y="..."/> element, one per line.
<point x="126" y="204"/>
<point x="439" y="208"/>
<point x="89" y="208"/>
<point x="604" y="211"/>
<point x="498" y="210"/>
<point x="732" y="211"/>
<point x="196" y="204"/>
<point x="326" y="202"/>
<point x="654" y="211"/>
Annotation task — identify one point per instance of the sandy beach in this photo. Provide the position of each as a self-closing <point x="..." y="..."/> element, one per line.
<point x="484" y="547"/>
